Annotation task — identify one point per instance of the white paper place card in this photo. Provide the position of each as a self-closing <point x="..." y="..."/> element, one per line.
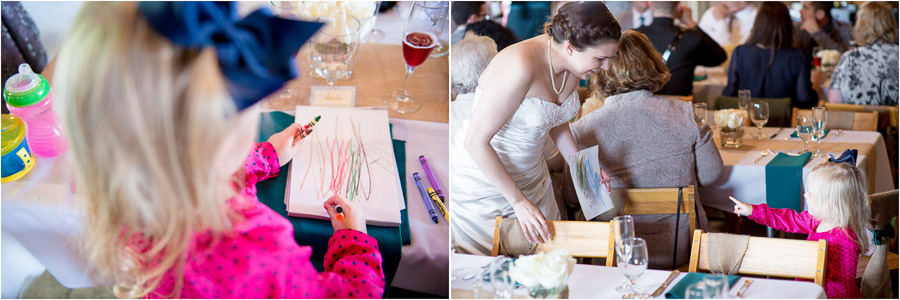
<point x="335" y="96"/>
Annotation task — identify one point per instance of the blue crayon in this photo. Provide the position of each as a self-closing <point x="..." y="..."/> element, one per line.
<point x="425" y="198"/>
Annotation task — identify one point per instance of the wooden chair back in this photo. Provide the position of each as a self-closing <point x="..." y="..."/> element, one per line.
<point x="887" y="115"/>
<point x="847" y="120"/>
<point x="657" y="201"/>
<point x="770" y="257"/>
<point x="580" y="238"/>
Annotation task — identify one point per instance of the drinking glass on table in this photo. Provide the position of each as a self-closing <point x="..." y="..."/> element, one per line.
<point x="375" y="35"/>
<point x="700" y="113"/>
<point x="759" y="114"/>
<point x="442" y="48"/>
<point x="635" y="265"/>
<point x="334" y="47"/>
<point x="819" y="119"/>
<point x="698" y="290"/>
<point x="624" y="229"/>
<point x="805" y="130"/>
<point x="419" y="39"/>
<point x="717" y="285"/>
<point x="285" y="10"/>
<point x="744" y="99"/>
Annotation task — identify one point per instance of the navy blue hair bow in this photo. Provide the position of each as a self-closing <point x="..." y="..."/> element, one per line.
<point x="849" y="156"/>
<point x="255" y="54"/>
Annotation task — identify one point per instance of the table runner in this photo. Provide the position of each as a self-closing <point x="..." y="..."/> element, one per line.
<point x="378" y="72"/>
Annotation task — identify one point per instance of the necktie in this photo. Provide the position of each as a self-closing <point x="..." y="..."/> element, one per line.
<point x="642" y="22"/>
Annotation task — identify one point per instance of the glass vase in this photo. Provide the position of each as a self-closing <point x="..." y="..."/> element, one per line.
<point x="731" y="137"/>
<point x="541" y="292"/>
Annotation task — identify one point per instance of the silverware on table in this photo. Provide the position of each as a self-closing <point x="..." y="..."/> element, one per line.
<point x="665" y="284"/>
<point x="743" y="289"/>
<point x="762" y="154"/>
<point x="836" y="134"/>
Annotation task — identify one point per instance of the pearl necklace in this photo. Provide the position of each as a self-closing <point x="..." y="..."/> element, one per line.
<point x="550" y="64"/>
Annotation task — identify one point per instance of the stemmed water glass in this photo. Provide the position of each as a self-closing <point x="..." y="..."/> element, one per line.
<point x="819" y="119"/>
<point x="375" y="35"/>
<point x="744" y="99"/>
<point x="635" y="264"/>
<point x="440" y="21"/>
<point x="805" y="130"/>
<point x="623" y="229"/>
<point x="759" y="114"/>
<point x="419" y="39"/>
<point x="700" y="113"/>
<point x="285" y="10"/>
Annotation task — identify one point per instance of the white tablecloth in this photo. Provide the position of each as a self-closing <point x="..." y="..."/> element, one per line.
<point x="592" y="282"/>
<point x="746" y="181"/>
<point x="38" y="212"/>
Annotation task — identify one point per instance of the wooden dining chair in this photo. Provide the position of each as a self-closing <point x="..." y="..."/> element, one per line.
<point x="770" y="257"/>
<point x="659" y="201"/>
<point x="846" y="120"/>
<point x="580" y="238"/>
<point x="887" y="115"/>
<point x="688" y="98"/>
<point x="779" y="108"/>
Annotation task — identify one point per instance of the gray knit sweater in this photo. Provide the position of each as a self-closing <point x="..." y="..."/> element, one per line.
<point x="652" y="142"/>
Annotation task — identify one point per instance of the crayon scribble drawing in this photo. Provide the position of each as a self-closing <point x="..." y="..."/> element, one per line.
<point x="585" y="170"/>
<point x="349" y="153"/>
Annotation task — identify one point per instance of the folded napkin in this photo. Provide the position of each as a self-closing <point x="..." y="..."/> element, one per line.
<point x="677" y="291"/>
<point x="725" y="252"/>
<point x="824" y="133"/>
<point x="512" y="239"/>
<point x="784" y="181"/>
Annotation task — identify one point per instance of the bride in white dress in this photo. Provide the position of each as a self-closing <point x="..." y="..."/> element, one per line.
<point x="526" y="95"/>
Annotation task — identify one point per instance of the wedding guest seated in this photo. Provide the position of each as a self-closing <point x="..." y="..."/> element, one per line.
<point x="468" y="59"/>
<point x="648" y="141"/>
<point x="817" y="28"/>
<point x="464" y="13"/>
<point x="501" y="35"/>
<point x="688" y="48"/>
<point x="868" y="74"/>
<point x="768" y="65"/>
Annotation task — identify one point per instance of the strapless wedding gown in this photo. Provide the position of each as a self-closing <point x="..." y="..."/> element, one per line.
<point x="475" y="201"/>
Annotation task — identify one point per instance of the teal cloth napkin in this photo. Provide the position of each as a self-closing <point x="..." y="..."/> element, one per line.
<point x="677" y="290"/>
<point x="784" y="181"/>
<point x="312" y="232"/>
<point x="400" y="155"/>
<point x="824" y="133"/>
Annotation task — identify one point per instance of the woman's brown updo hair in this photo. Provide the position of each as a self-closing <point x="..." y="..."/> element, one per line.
<point x="583" y="24"/>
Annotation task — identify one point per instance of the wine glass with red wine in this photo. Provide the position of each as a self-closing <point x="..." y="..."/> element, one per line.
<point x="419" y="39"/>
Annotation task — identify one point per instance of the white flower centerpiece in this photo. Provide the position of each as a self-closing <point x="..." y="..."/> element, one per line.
<point x="731" y="123"/>
<point x="544" y="274"/>
<point x="828" y="59"/>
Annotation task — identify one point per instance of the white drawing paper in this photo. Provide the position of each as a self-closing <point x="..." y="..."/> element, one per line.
<point x="585" y="170"/>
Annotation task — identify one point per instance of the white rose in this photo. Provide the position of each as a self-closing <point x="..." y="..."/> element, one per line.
<point x="731" y="118"/>
<point x="359" y="9"/>
<point x="829" y="57"/>
<point x="546" y="269"/>
<point x="316" y="9"/>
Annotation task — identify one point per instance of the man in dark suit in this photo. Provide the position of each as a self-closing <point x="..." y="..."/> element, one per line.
<point x="692" y="48"/>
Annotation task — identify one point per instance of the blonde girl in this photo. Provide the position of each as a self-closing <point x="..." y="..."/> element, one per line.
<point x="160" y="146"/>
<point x="836" y="195"/>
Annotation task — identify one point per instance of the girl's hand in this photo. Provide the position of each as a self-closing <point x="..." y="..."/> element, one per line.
<point x="532" y="221"/>
<point x="741" y="208"/>
<point x="284" y="142"/>
<point x="353" y="217"/>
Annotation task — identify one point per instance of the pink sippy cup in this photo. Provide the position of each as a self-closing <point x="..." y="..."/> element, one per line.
<point x="28" y="97"/>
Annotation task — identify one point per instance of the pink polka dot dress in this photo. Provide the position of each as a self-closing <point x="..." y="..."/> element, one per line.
<point x="841" y="256"/>
<point x="260" y="259"/>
